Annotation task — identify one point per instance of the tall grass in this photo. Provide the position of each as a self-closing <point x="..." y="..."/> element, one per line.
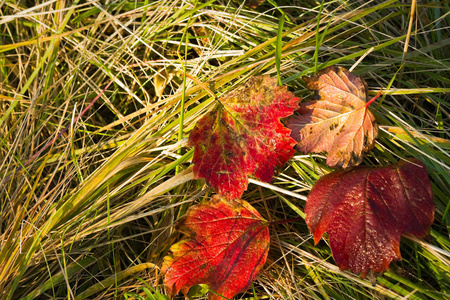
<point x="97" y="99"/>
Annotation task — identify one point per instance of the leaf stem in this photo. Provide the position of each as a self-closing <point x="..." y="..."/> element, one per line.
<point x="374" y="98"/>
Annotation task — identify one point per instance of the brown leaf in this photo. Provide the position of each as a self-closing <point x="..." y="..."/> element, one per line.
<point x="160" y="81"/>
<point x="339" y="122"/>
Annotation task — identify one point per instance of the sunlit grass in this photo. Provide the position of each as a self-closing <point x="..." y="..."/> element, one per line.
<point x="93" y="213"/>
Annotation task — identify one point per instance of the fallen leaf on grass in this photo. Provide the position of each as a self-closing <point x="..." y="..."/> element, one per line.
<point x="339" y="122"/>
<point x="366" y="210"/>
<point x="243" y="136"/>
<point x="227" y="245"/>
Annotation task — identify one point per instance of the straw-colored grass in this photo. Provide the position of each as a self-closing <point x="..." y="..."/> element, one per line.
<point x="97" y="99"/>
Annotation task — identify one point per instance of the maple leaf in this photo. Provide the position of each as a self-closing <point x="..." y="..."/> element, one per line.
<point x="366" y="210"/>
<point x="243" y="136"/>
<point x="227" y="245"/>
<point x="339" y="123"/>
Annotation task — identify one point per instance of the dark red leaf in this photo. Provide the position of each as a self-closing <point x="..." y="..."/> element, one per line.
<point x="227" y="245"/>
<point x="243" y="136"/>
<point x="339" y="123"/>
<point x="366" y="210"/>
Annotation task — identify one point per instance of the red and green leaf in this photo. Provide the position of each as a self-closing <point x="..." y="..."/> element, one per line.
<point x="227" y="245"/>
<point x="339" y="122"/>
<point x="243" y="136"/>
<point x="366" y="210"/>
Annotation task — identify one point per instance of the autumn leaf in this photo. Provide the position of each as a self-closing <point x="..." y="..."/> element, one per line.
<point x="366" y="210"/>
<point x="227" y="245"/>
<point x="339" y="122"/>
<point x="243" y="136"/>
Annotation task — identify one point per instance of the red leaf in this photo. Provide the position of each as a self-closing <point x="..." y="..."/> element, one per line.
<point x="339" y="123"/>
<point x="243" y="136"/>
<point x="227" y="245"/>
<point x="365" y="211"/>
